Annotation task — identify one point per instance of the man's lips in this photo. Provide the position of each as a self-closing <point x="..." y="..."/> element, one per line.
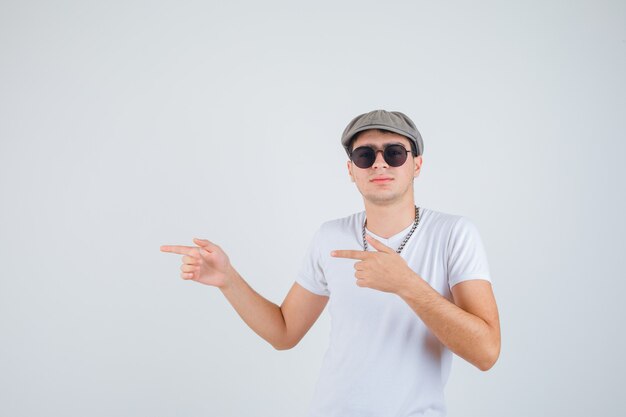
<point x="381" y="179"/>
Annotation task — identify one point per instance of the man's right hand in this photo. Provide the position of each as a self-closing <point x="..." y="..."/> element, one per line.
<point x="206" y="263"/>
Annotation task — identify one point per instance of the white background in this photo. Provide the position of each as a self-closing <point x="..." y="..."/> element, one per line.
<point x="128" y="125"/>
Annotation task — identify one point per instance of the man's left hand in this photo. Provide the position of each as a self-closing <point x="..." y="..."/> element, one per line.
<point x="384" y="270"/>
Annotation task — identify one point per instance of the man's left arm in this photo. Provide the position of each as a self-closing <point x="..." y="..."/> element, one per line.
<point x="469" y="326"/>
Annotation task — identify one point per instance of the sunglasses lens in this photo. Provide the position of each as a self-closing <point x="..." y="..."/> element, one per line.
<point x="395" y="155"/>
<point x="363" y="157"/>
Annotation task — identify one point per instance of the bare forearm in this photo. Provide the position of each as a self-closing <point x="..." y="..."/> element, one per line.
<point x="463" y="333"/>
<point x="261" y="315"/>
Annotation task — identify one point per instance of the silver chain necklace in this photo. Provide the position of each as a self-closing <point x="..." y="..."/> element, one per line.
<point x="415" y="223"/>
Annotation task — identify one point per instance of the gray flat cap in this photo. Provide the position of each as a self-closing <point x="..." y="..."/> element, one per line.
<point x="393" y="121"/>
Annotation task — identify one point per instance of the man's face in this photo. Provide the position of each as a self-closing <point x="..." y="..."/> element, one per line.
<point x="382" y="183"/>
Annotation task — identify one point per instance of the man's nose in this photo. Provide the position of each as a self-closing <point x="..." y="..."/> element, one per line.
<point x="380" y="159"/>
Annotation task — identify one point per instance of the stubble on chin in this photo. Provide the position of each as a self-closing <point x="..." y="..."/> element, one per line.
<point x="383" y="197"/>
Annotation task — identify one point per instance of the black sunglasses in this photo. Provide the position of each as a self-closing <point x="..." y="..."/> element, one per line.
<point x="365" y="156"/>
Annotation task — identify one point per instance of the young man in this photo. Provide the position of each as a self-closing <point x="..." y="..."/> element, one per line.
<point x="406" y="286"/>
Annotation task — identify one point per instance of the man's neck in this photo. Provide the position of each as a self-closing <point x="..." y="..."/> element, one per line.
<point x="388" y="220"/>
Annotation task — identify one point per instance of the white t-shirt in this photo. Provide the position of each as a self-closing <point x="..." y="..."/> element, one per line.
<point x="382" y="360"/>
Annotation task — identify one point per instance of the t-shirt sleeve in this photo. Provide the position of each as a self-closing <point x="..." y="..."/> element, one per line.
<point x="467" y="258"/>
<point x="311" y="273"/>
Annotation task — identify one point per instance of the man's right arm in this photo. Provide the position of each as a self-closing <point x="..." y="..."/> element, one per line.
<point x="283" y="327"/>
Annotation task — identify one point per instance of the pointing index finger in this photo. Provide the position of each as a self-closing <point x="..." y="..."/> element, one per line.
<point x="181" y="250"/>
<point x="351" y="254"/>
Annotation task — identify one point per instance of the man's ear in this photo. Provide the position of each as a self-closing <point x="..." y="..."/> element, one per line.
<point x="349" y="165"/>
<point x="418" y="165"/>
